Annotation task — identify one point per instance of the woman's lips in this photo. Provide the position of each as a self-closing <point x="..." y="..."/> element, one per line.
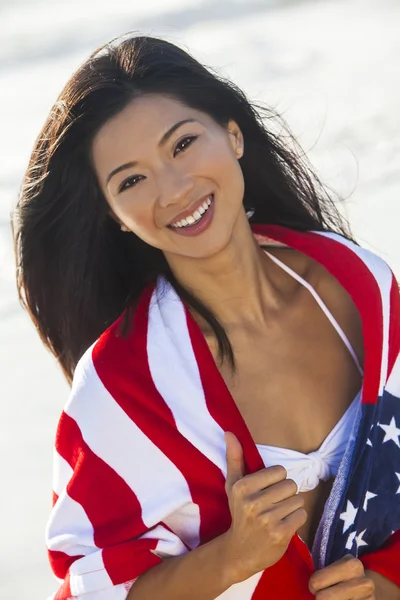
<point x="187" y="213"/>
<point x="201" y="225"/>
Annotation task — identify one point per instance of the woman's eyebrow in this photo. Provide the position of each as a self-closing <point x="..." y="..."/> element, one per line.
<point x="172" y="129"/>
<point x="164" y="138"/>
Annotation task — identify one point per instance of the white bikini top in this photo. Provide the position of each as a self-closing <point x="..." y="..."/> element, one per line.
<point x="308" y="469"/>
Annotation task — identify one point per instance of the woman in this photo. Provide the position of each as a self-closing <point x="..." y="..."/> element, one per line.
<point x="211" y="309"/>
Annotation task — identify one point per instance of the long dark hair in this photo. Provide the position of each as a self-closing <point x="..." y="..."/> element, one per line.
<point x="76" y="271"/>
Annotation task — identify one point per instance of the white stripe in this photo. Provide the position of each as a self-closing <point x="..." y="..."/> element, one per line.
<point x="383" y="276"/>
<point x="118" y="592"/>
<point x="88" y="574"/>
<point x="168" y="544"/>
<point x="185" y="522"/>
<point x="158" y="484"/>
<point x="243" y="590"/>
<point x="62" y="473"/>
<point x="69" y="529"/>
<point x="179" y="384"/>
<point x="393" y="384"/>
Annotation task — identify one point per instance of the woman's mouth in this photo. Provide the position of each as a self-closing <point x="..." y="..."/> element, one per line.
<point x="198" y="221"/>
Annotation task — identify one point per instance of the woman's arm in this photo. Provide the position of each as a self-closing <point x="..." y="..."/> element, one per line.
<point x="202" y="574"/>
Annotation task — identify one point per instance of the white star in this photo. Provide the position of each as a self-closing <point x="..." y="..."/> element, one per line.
<point x="360" y="541"/>
<point x="398" y="477"/>
<point x="350" y="541"/>
<point x="349" y="516"/>
<point x="369" y="443"/>
<point x="392" y="432"/>
<point x="368" y="496"/>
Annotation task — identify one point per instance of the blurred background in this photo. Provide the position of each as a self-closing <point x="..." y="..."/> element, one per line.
<point x="331" y="68"/>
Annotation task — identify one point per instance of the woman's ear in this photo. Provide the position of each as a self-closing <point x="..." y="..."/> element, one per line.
<point x="115" y="218"/>
<point x="236" y="138"/>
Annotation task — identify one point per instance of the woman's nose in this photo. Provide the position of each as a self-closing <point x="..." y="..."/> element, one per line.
<point x="174" y="187"/>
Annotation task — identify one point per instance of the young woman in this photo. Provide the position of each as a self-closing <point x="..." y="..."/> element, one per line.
<point x="233" y="425"/>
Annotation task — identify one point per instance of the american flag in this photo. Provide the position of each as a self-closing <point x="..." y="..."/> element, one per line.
<point x="139" y="469"/>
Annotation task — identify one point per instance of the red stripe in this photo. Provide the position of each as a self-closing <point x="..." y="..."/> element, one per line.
<point x="137" y="395"/>
<point x="352" y="273"/>
<point x="394" y="326"/>
<point x="109" y="503"/>
<point x="288" y="578"/>
<point x="386" y="560"/>
<point x="61" y="562"/>
<point x="220" y="403"/>
<point x="128" y="560"/>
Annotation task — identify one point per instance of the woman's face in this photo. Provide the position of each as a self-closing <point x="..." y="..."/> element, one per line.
<point x="170" y="174"/>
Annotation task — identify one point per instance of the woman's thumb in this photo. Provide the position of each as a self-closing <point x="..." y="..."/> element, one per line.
<point x="234" y="460"/>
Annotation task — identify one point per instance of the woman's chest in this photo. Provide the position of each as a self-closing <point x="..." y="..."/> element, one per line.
<point x="292" y="387"/>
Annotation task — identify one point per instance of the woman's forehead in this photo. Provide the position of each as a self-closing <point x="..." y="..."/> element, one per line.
<point x="149" y="114"/>
<point x="142" y="121"/>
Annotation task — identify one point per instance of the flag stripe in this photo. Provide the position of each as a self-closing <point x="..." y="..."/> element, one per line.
<point x="243" y="590"/>
<point x="105" y="495"/>
<point x="97" y="502"/>
<point x="138" y="397"/>
<point x="383" y="277"/>
<point x="394" y="326"/>
<point x="181" y="385"/>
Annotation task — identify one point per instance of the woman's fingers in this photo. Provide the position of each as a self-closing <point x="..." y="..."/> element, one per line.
<point x="347" y="567"/>
<point x="285" y="508"/>
<point x="234" y="461"/>
<point x="295" y="520"/>
<point x="283" y="489"/>
<point x="342" y="580"/>
<point x="266" y="511"/>
<point x="260" y="482"/>
<point x="360" y="588"/>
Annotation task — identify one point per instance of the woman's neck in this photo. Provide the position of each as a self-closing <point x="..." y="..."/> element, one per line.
<point x="234" y="283"/>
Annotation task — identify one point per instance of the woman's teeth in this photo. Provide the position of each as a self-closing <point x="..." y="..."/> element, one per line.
<point x="196" y="216"/>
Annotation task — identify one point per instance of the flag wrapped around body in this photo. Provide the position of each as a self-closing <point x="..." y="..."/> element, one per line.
<point x="139" y="470"/>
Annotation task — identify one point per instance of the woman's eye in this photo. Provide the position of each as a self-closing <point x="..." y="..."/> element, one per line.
<point x="184" y="143"/>
<point x="130" y="182"/>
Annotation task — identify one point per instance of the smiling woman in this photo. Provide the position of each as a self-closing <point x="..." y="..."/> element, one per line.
<point x="233" y="353"/>
<point x="177" y="169"/>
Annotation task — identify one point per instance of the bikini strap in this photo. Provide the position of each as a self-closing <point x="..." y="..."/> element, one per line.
<point x="322" y="305"/>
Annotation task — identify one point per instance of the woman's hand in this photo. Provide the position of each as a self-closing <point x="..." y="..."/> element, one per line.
<point x="344" y="579"/>
<point x="266" y="512"/>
